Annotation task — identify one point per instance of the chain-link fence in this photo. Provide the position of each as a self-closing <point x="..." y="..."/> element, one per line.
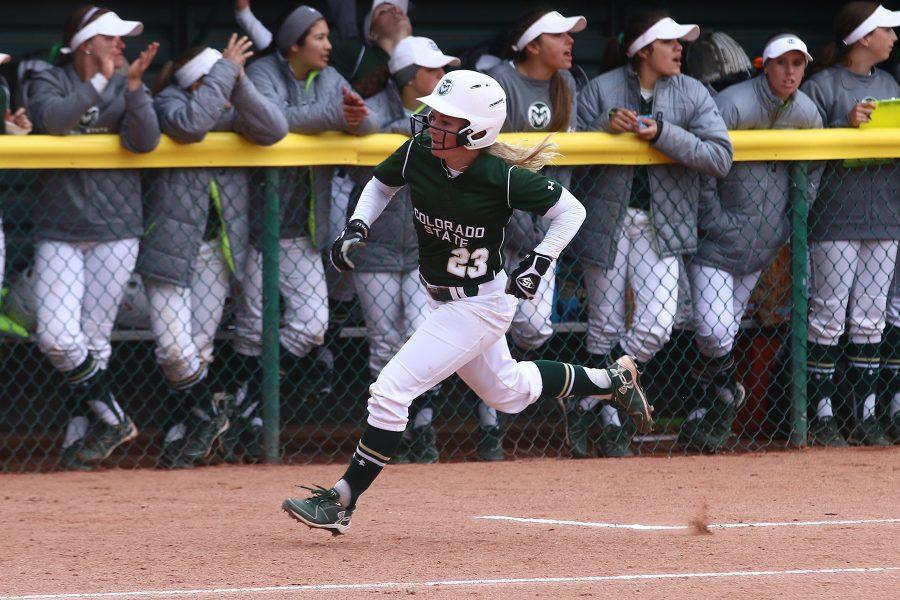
<point x="178" y="302"/>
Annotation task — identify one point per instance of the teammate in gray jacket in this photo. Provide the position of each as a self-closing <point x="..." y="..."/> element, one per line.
<point x="854" y="226"/>
<point x="88" y="223"/>
<point x="744" y="222"/>
<point x="294" y="75"/>
<point x="642" y="219"/>
<point x="540" y="96"/>
<point x="198" y="232"/>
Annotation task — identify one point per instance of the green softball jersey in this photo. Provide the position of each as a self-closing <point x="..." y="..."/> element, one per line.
<point x="460" y="220"/>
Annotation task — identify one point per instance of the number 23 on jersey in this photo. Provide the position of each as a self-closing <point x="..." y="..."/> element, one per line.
<point x="472" y="264"/>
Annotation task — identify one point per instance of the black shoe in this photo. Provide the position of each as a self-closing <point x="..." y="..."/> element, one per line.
<point x="578" y="426"/>
<point x="106" y="440"/>
<point x="824" y="431"/>
<point x="69" y="461"/>
<point x="200" y="441"/>
<point x="614" y="442"/>
<point x="172" y="456"/>
<point x="628" y="394"/>
<point x="490" y="444"/>
<point x="423" y="448"/>
<point x="870" y="433"/>
<point x="322" y="510"/>
<point x="893" y="429"/>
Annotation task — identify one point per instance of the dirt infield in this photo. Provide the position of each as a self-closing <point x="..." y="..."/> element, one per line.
<point x="218" y="533"/>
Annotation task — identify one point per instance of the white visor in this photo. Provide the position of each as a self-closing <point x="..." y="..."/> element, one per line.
<point x="108" y="24"/>
<point x="552" y="22"/>
<point x="197" y="67"/>
<point x="666" y="29"/>
<point x="419" y="51"/>
<point x="4" y="58"/>
<point x="783" y="45"/>
<point x="882" y="17"/>
<point x="401" y="4"/>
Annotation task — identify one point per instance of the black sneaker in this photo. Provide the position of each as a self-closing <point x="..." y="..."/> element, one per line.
<point x="172" y="456"/>
<point x="870" y="433"/>
<point x="824" y="431"/>
<point x="108" y="439"/>
<point x="322" y="510"/>
<point x="893" y="429"/>
<point x="628" y="393"/>
<point x="69" y="461"/>
<point x="578" y="424"/>
<point x="200" y="441"/>
<point x="490" y="444"/>
<point x="614" y="442"/>
<point x="423" y="448"/>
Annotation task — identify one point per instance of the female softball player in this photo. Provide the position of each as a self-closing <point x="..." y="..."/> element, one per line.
<point x="853" y="226"/>
<point x="386" y="273"/>
<point x="464" y="186"/>
<point x="890" y="357"/>
<point x="198" y="232"/>
<point x="744" y="221"/>
<point x="540" y="97"/>
<point x="294" y="76"/>
<point x="641" y="220"/>
<point x="88" y="225"/>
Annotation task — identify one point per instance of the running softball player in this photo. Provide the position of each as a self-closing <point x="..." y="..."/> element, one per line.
<point x="464" y="187"/>
<point x="642" y="219"/>
<point x="386" y="272"/>
<point x="890" y="357"/>
<point x="744" y="221"/>
<point x="294" y="75"/>
<point x="197" y="233"/>
<point x="853" y="226"/>
<point x="540" y="97"/>
<point x="88" y="225"/>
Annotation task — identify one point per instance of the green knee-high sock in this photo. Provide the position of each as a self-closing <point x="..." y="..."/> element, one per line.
<point x="890" y="363"/>
<point x="862" y="375"/>
<point x="821" y="387"/>
<point x="560" y="380"/>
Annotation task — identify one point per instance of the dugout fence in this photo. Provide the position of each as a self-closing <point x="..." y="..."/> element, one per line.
<point x="315" y="362"/>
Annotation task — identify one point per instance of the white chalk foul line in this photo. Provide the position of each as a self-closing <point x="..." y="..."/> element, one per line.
<point x="640" y="527"/>
<point x="449" y="583"/>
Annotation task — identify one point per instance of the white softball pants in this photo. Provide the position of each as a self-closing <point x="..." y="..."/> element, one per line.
<point x="466" y="337"/>
<point x="893" y="307"/>
<point x="720" y="299"/>
<point x="394" y="306"/>
<point x="305" y="296"/>
<point x="78" y="288"/>
<point x="531" y="326"/>
<point x="184" y="320"/>
<point x="849" y="284"/>
<point x="654" y="281"/>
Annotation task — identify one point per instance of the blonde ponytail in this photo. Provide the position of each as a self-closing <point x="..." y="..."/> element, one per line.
<point x="534" y="158"/>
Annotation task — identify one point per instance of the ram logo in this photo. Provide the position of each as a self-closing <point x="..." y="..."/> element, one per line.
<point x="539" y="115"/>
<point x="445" y="87"/>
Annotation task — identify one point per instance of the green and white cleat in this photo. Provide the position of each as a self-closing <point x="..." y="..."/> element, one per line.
<point x="628" y="393"/>
<point x="322" y="510"/>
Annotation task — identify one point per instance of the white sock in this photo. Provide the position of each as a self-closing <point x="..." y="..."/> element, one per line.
<point x="589" y="402"/>
<point x="105" y="411"/>
<point x="176" y="432"/>
<point x="343" y="490"/>
<point x="256" y="422"/>
<point x="868" y="408"/>
<point x="824" y="409"/>
<point x="610" y="416"/>
<point x="895" y="404"/>
<point x="76" y="429"/>
<point x="425" y="416"/>
<point x="697" y="414"/>
<point x="487" y="416"/>
<point x="600" y="378"/>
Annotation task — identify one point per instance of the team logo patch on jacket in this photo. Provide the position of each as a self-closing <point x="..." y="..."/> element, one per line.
<point x="539" y="115"/>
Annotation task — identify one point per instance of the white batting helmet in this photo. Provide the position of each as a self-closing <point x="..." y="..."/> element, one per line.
<point x="475" y="97"/>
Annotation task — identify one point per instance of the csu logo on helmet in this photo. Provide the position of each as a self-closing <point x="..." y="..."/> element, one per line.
<point x="539" y="115"/>
<point x="445" y="87"/>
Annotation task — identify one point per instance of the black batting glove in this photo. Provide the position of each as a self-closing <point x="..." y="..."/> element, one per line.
<point x="351" y="239"/>
<point x="524" y="280"/>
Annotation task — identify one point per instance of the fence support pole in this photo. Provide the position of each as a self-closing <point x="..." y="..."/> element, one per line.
<point x="799" y="195"/>
<point x="271" y="318"/>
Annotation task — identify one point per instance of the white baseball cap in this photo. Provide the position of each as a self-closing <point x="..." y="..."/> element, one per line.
<point x="4" y="58"/>
<point x="882" y="17"/>
<point x="664" y="29"/>
<point x="552" y="22"/>
<point x="419" y="51"/>
<point x="401" y="4"/>
<point x="784" y="44"/>
<point x="107" y="24"/>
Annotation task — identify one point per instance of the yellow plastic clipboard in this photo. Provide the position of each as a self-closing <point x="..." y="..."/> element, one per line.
<point x="886" y="114"/>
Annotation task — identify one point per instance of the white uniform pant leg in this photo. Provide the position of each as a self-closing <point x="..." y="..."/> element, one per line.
<point x="58" y="293"/>
<point x="209" y="290"/>
<point x="868" y="299"/>
<point x="170" y="321"/>
<point x="606" y="300"/>
<point x="453" y="334"/>
<point x="248" y="314"/>
<point x="655" y="283"/>
<point x="531" y="327"/>
<point x="719" y="300"/>
<point x="382" y="304"/>
<point x="500" y="381"/>
<point x="305" y="294"/>
<point x="893" y="308"/>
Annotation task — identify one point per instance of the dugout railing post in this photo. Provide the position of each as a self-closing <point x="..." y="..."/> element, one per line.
<point x="799" y="195"/>
<point x="271" y="319"/>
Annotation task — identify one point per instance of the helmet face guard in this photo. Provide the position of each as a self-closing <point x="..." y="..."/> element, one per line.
<point x="420" y="125"/>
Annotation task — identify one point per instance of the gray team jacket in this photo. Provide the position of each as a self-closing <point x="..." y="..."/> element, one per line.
<point x="744" y="217"/>
<point x="101" y="205"/>
<point x="528" y="108"/>
<point x="855" y="203"/>
<point x="392" y="246"/>
<point x="179" y="199"/>
<point x="693" y="133"/>
<point x="310" y="107"/>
